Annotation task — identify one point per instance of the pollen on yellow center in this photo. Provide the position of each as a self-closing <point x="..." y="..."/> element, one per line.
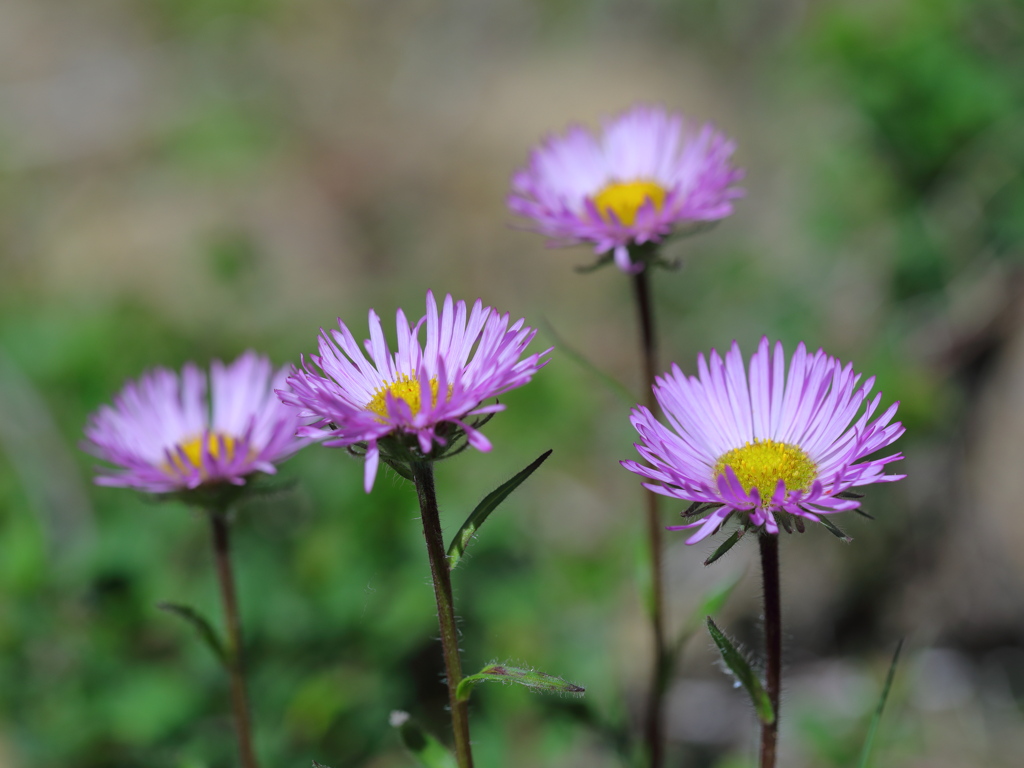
<point x="763" y="463"/>
<point x="406" y="389"/>
<point x="193" y="450"/>
<point x="624" y="198"/>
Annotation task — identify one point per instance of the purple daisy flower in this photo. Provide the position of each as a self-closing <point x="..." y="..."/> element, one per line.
<point x="468" y="358"/>
<point x="764" y="442"/>
<point x="165" y="434"/>
<point x="648" y="173"/>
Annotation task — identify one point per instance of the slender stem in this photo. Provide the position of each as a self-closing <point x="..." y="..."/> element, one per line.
<point x="423" y="476"/>
<point x="772" y="642"/>
<point x="654" y="727"/>
<point x="239" y="702"/>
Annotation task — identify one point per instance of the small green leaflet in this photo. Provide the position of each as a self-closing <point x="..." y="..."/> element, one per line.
<point x="202" y="627"/>
<point x="506" y="673"/>
<point x="740" y="667"/>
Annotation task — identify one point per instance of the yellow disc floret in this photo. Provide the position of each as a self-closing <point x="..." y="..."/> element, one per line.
<point x="193" y="450"/>
<point x="406" y="389"/>
<point x="763" y="463"/>
<point x="624" y="198"/>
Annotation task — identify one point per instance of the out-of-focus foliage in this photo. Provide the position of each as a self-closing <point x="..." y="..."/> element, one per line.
<point x="183" y="179"/>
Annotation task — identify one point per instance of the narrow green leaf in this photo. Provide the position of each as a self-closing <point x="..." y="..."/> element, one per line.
<point x="428" y="751"/>
<point x="740" y="667"/>
<point x="725" y="546"/>
<point x="873" y="728"/>
<point x="202" y="627"/>
<point x="862" y="513"/>
<point x="318" y="765"/>
<point x="834" y="529"/>
<point x="506" y="673"/>
<point x="567" y="350"/>
<point x="399" y="467"/>
<point x="484" y="509"/>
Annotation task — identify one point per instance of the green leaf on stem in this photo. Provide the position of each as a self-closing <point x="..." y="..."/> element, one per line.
<point x="506" y="673"/>
<point x="725" y="546"/>
<point x="399" y="467"/>
<point x="740" y="667"/>
<point x="483" y="510"/>
<point x="202" y="627"/>
<point x="877" y="717"/>
<point x="428" y="751"/>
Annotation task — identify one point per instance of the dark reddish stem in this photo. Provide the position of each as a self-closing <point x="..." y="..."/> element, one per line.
<point x="423" y="476"/>
<point x="239" y="701"/>
<point x="655" y="725"/>
<point x="772" y="642"/>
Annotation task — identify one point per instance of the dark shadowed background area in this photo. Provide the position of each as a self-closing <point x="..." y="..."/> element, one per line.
<point x="185" y="179"/>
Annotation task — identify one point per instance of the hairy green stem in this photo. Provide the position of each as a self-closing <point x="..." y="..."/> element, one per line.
<point x="772" y="642"/>
<point x="239" y="701"/>
<point x="423" y="476"/>
<point x="655" y="725"/>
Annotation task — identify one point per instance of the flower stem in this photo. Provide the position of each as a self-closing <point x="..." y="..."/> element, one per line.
<point x="654" y="727"/>
<point x="773" y="642"/>
<point x="423" y="476"/>
<point x="239" y="702"/>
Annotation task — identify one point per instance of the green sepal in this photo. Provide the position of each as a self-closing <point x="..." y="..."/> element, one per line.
<point x="319" y="765"/>
<point x="483" y="510"/>
<point x="862" y="513"/>
<point x="202" y="627"/>
<point x="428" y="751"/>
<point x="541" y="682"/>
<point x="698" y="508"/>
<point x="740" y="667"/>
<point x="869" y="740"/>
<point x="725" y="546"/>
<point x="834" y="529"/>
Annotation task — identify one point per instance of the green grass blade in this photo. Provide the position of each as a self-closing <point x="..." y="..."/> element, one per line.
<point x="869" y="740"/>
<point x="567" y="350"/>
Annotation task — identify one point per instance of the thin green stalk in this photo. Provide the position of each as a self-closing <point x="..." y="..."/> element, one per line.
<point x="655" y="725"/>
<point x="239" y="701"/>
<point x="423" y="477"/>
<point x="772" y="642"/>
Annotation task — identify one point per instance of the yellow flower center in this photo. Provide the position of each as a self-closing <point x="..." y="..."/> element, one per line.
<point x="406" y="389"/>
<point x="624" y="198"/>
<point x="193" y="450"/>
<point x="763" y="463"/>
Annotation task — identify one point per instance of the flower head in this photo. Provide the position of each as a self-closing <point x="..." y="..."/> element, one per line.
<point x="165" y="434"/>
<point x="420" y="396"/>
<point x="762" y="443"/>
<point x="648" y="173"/>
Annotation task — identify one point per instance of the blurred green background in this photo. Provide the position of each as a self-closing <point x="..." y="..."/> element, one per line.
<point x="185" y="179"/>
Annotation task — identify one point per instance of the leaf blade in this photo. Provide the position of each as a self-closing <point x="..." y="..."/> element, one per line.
<point x="483" y="510"/>
<point x="533" y="679"/>
<point x="202" y="627"/>
<point x="740" y="667"/>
